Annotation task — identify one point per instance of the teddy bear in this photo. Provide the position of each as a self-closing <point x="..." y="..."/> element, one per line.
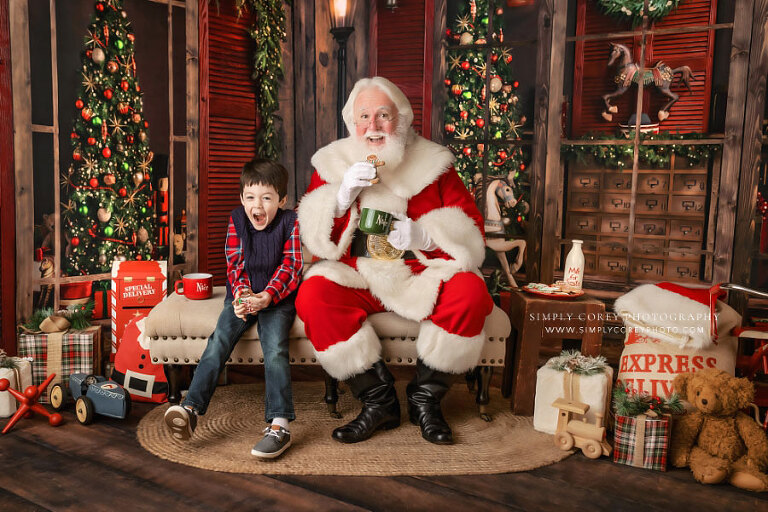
<point x="716" y="440"/>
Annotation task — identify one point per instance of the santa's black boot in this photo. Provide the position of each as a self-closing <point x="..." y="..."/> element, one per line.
<point x="375" y="388"/>
<point x="425" y="391"/>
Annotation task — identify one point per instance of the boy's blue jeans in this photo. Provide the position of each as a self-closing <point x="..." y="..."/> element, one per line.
<point x="274" y="323"/>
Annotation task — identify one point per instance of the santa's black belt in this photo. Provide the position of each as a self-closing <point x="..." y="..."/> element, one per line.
<point x="359" y="247"/>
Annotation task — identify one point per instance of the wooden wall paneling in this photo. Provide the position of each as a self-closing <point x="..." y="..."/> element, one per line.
<point x="429" y="35"/>
<point x="439" y="91"/>
<point x="734" y="123"/>
<point x="285" y="96"/>
<point x="750" y="154"/>
<point x="22" y="151"/>
<point x="714" y="192"/>
<point x="171" y="146"/>
<point x="55" y="171"/>
<point x="193" y="105"/>
<point x="202" y="173"/>
<point x="357" y="48"/>
<point x="7" y="193"/>
<point x="553" y="175"/>
<point x="305" y="92"/>
<point x="540" y="131"/>
<point x="325" y="75"/>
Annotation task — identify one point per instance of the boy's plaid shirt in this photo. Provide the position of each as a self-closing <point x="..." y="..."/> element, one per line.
<point x="655" y="445"/>
<point x="286" y="277"/>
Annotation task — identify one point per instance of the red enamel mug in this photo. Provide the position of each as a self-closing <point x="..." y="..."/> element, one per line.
<point x="195" y="286"/>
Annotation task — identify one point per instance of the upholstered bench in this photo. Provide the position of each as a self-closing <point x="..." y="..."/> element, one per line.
<point x="177" y="331"/>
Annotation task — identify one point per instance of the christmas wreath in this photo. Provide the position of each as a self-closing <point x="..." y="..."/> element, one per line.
<point x="632" y="10"/>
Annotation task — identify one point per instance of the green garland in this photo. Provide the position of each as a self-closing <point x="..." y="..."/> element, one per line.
<point x="632" y="10"/>
<point x="267" y="31"/>
<point x="77" y="315"/>
<point x="573" y="361"/>
<point x="629" y="403"/>
<point x="619" y="156"/>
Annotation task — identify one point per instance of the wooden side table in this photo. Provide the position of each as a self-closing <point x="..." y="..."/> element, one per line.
<point x="536" y="319"/>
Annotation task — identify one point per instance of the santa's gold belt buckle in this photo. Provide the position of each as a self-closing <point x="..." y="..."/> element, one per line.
<point x="380" y="249"/>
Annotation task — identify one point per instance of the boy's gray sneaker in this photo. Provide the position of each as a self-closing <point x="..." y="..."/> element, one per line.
<point x="181" y="422"/>
<point x="276" y="440"/>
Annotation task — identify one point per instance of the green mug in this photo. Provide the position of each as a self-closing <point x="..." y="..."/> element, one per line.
<point x="375" y="222"/>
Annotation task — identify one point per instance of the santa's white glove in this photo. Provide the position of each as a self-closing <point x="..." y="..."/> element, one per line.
<point x="406" y="235"/>
<point x="356" y="178"/>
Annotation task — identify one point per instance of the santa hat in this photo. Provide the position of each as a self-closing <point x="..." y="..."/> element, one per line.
<point x="684" y="315"/>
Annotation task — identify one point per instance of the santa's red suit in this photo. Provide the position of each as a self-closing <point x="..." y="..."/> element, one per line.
<point x="442" y="289"/>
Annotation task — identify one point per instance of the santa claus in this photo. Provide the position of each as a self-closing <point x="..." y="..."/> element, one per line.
<point x="435" y="280"/>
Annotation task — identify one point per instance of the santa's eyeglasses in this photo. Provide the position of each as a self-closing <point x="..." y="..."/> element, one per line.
<point x="381" y="118"/>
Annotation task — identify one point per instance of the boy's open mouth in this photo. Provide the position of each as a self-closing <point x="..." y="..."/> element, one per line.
<point x="259" y="218"/>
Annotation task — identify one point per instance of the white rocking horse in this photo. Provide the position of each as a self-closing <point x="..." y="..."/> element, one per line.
<point x="498" y="193"/>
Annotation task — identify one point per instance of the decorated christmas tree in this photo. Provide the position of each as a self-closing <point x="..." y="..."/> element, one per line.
<point x="107" y="210"/>
<point x="482" y="114"/>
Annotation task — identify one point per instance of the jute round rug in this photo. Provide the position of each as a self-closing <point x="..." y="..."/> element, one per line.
<point x="225" y="435"/>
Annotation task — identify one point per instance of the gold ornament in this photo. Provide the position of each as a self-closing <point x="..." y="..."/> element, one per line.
<point x="513" y="100"/>
<point x="121" y="225"/>
<point x="89" y="83"/>
<point x="138" y="177"/>
<point x="143" y="235"/>
<point x="466" y="38"/>
<point x="110" y="179"/>
<point x="104" y="215"/>
<point x="102" y="259"/>
<point x="142" y="136"/>
<point x="136" y="118"/>
<point x="112" y="66"/>
<point x="496" y="84"/>
<point x="98" y="55"/>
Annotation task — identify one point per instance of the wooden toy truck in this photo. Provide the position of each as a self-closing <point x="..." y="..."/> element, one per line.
<point x="573" y="432"/>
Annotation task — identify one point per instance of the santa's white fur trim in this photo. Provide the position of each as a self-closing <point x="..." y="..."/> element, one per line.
<point x="410" y="296"/>
<point x="672" y="317"/>
<point x="339" y="273"/>
<point x="448" y="352"/>
<point x="316" y="216"/>
<point x="347" y="358"/>
<point x="455" y="233"/>
<point x="424" y="161"/>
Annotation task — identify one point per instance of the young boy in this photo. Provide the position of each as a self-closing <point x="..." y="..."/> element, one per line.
<point x="264" y="265"/>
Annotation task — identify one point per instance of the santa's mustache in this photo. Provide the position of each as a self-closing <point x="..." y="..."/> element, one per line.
<point x="376" y="134"/>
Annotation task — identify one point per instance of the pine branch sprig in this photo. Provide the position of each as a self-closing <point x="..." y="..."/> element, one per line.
<point x="629" y="403"/>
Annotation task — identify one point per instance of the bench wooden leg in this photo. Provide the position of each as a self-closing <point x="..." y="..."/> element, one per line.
<point x="173" y="373"/>
<point x="332" y="395"/>
<point x="484" y="374"/>
<point x="471" y="378"/>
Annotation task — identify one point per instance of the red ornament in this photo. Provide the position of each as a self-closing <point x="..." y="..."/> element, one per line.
<point x="129" y="139"/>
<point x="448" y="32"/>
<point x="86" y="114"/>
<point x="146" y="124"/>
<point x="100" y="6"/>
<point x="93" y="182"/>
<point x="508" y="59"/>
<point x="465" y="65"/>
<point x="149" y="203"/>
<point x="456" y="89"/>
<point x="503" y="107"/>
<point x="146" y="176"/>
<point x="515" y="84"/>
<point x="76" y="155"/>
<point x="450" y="128"/>
<point x="447" y="82"/>
<point x="467" y="151"/>
<point x="79" y="104"/>
<point x="138" y="88"/>
<point x="28" y="403"/>
<point x="463" y="114"/>
<point x="131" y="37"/>
<point x="88" y="53"/>
<point x="138" y="256"/>
<point x="108" y="93"/>
<point x="75" y="241"/>
<point x="519" y="218"/>
<point x="122" y="108"/>
<point x="503" y="155"/>
<point x="480" y="122"/>
<point x="522" y="167"/>
<point x="122" y="192"/>
<point x="124" y="85"/>
<point x="106" y="152"/>
<point x="73" y="135"/>
<point x="494" y="58"/>
<point x="91" y="141"/>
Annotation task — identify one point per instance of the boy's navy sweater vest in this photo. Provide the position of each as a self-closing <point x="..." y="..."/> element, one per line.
<point x="262" y="250"/>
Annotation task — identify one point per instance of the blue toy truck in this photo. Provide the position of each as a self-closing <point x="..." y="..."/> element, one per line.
<point x="93" y="394"/>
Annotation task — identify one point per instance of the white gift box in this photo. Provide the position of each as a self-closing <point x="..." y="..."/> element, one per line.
<point x="593" y="390"/>
<point x="24" y="371"/>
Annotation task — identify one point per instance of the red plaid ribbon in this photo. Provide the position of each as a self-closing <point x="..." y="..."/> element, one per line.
<point x="76" y="354"/>
<point x="655" y="443"/>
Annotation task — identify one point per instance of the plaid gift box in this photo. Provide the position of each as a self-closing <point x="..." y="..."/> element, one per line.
<point x="642" y="441"/>
<point x="74" y="354"/>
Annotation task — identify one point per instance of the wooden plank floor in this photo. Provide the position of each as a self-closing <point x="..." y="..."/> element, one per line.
<point x="103" y="467"/>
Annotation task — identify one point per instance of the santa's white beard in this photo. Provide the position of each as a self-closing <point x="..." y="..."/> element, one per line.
<point x="391" y="153"/>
